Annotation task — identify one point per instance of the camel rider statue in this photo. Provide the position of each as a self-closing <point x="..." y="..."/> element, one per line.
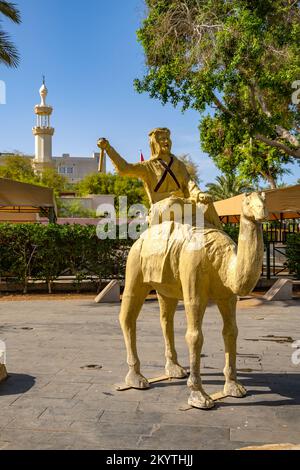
<point x="166" y="179"/>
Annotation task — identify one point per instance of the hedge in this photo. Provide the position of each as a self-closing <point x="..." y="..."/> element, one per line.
<point x="46" y="252"/>
<point x="293" y="253"/>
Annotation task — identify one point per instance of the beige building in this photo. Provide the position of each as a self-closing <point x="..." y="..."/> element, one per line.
<point x="76" y="168"/>
<point x="73" y="168"/>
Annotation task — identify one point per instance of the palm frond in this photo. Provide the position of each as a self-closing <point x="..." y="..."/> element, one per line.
<point x="227" y="186"/>
<point x="8" y="53"/>
<point x="11" y="11"/>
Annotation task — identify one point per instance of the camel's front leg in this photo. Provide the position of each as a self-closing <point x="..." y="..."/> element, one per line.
<point x="132" y="302"/>
<point x="194" y="337"/>
<point x="167" y="312"/>
<point x="232" y="387"/>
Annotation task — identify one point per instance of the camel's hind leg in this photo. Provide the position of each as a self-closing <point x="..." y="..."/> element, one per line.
<point x="195" y="306"/>
<point x="167" y="312"/>
<point x="230" y="333"/>
<point x="135" y="293"/>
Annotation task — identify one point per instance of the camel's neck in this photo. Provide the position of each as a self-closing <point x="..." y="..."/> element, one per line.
<point x="249" y="258"/>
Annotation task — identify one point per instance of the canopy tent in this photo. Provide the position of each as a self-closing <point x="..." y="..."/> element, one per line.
<point x="23" y="198"/>
<point x="282" y="203"/>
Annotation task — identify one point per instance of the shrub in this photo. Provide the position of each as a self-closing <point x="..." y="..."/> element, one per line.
<point x="46" y="252"/>
<point x="114" y="184"/>
<point x="293" y="253"/>
<point x="232" y="231"/>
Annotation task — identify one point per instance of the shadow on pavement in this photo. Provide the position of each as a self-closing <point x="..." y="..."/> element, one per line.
<point x="16" y="384"/>
<point x="286" y="386"/>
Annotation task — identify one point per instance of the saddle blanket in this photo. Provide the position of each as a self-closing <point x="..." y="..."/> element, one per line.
<point x="162" y="245"/>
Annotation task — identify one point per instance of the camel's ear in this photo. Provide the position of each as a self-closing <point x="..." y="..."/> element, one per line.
<point x="263" y="196"/>
<point x="247" y="194"/>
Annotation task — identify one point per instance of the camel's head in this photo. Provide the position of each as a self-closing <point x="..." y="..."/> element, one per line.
<point x="254" y="206"/>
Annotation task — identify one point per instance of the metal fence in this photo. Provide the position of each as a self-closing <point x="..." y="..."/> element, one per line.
<point x="275" y="235"/>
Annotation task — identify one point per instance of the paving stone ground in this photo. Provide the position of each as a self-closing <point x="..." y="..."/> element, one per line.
<point x="52" y="401"/>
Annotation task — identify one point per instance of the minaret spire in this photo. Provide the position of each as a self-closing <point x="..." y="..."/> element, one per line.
<point x="43" y="131"/>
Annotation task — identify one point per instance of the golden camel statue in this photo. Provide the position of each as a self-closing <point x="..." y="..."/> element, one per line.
<point x="218" y="271"/>
<point x="180" y="269"/>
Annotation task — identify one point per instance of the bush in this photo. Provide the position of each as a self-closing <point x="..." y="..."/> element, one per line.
<point x="46" y="252"/>
<point x="74" y="209"/>
<point x="114" y="184"/>
<point x="233" y="231"/>
<point x="293" y="253"/>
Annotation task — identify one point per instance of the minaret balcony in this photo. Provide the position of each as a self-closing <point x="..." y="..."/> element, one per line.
<point x="43" y="110"/>
<point x="43" y="131"/>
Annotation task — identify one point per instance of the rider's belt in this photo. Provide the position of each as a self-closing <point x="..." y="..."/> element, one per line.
<point x="167" y="171"/>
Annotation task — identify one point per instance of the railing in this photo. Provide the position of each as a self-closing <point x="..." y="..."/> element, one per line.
<point x="275" y="236"/>
<point x="278" y="231"/>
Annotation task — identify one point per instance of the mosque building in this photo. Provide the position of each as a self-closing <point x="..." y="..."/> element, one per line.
<point x="73" y="168"/>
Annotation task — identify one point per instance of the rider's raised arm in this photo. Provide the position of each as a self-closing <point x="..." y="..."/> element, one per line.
<point x="124" y="168"/>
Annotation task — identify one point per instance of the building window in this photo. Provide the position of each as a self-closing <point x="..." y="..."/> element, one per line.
<point x="66" y="170"/>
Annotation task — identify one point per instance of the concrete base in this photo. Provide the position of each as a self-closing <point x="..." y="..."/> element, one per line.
<point x="281" y="290"/>
<point x="110" y="294"/>
<point x="52" y="403"/>
<point x="3" y="373"/>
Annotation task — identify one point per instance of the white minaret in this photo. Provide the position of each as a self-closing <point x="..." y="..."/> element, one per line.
<point x="43" y="132"/>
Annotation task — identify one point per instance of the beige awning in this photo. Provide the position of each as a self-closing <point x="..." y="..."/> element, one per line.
<point x="282" y="203"/>
<point x="23" y="198"/>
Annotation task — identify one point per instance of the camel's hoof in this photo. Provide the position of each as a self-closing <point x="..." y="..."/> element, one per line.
<point x="3" y="373"/>
<point x="136" y="380"/>
<point x="201" y="400"/>
<point x="235" y="389"/>
<point x="175" y="371"/>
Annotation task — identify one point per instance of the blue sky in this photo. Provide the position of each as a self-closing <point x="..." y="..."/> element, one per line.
<point x="90" y="57"/>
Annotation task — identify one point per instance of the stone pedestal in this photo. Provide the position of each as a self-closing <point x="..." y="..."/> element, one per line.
<point x="281" y="290"/>
<point x="110" y="294"/>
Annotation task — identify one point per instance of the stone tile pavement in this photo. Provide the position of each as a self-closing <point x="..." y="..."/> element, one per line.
<point x="52" y="400"/>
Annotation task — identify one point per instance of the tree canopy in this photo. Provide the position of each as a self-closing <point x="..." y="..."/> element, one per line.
<point x="191" y="167"/>
<point x="227" y="186"/>
<point x="236" y="62"/>
<point x="19" y="168"/>
<point x="99" y="183"/>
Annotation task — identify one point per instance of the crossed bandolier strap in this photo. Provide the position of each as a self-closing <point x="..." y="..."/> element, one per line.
<point x="166" y="172"/>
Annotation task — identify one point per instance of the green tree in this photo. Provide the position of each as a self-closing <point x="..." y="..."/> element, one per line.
<point x="75" y="209"/>
<point x="251" y="159"/>
<point x="51" y="179"/>
<point x="8" y="53"/>
<point x="235" y="62"/>
<point x="114" y="184"/>
<point x="227" y="186"/>
<point x="191" y="166"/>
<point x="17" y="168"/>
